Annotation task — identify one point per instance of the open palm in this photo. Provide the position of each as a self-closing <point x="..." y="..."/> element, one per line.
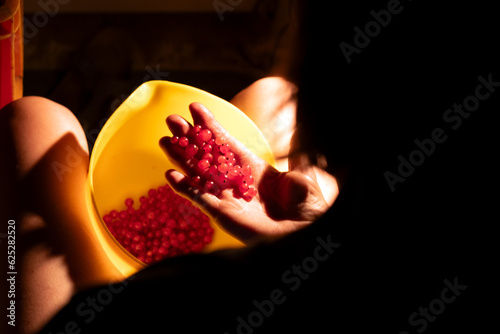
<point x="285" y="201"/>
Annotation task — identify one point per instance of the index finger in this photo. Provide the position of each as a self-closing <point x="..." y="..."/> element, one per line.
<point x="202" y="116"/>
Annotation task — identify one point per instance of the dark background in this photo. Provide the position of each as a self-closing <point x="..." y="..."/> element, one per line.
<point x="90" y="58"/>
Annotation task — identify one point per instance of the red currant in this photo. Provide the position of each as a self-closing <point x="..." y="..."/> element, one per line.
<point x="204" y="164"/>
<point x="247" y="179"/>
<point x="207" y="156"/>
<point x="223" y="178"/>
<point x="217" y="163"/>
<point x="207" y="148"/>
<point x="213" y="170"/>
<point x="211" y="187"/>
<point x="196" y="129"/>
<point x="243" y="188"/>
<point x="196" y="180"/>
<point x="157" y="230"/>
<point x="191" y="149"/>
<point x="183" y="141"/>
<point x="246" y="170"/>
<point x="251" y="191"/>
<point x="220" y="140"/>
<point x="224" y="148"/>
<point x="221" y="159"/>
<point x="233" y="173"/>
<point x="129" y="202"/>
<point x="223" y="167"/>
<point x="205" y="135"/>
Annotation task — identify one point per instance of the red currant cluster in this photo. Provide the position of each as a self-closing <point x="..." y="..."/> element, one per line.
<point x="217" y="165"/>
<point x="165" y="225"/>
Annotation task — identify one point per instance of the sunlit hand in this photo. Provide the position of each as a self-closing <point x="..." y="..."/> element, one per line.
<point x="285" y="201"/>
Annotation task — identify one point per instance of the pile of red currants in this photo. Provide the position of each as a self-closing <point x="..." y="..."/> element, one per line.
<point x="217" y="164"/>
<point x="164" y="225"/>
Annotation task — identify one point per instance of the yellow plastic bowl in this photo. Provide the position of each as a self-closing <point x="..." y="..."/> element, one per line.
<point x="126" y="159"/>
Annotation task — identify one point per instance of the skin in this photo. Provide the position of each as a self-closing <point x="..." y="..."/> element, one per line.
<point x="271" y="103"/>
<point x="285" y="202"/>
<point x="52" y="223"/>
<point x="48" y="206"/>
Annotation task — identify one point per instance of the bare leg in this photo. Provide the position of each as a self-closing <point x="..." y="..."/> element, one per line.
<point x="43" y="182"/>
<point x="271" y="104"/>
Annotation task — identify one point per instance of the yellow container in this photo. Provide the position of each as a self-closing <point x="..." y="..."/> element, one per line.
<point x="126" y="159"/>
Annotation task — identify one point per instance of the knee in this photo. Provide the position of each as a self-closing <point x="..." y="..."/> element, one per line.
<point x="35" y="131"/>
<point x="32" y="109"/>
<point x="40" y="120"/>
<point x="274" y="85"/>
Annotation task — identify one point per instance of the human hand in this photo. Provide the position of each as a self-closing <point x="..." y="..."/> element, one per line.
<point x="285" y="201"/>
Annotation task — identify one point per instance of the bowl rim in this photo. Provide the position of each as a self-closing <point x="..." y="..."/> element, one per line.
<point x="148" y="87"/>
